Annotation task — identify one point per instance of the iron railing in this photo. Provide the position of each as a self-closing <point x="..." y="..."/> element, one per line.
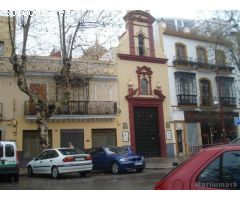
<point x="78" y="108"/>
<point x="193" y="149"/>
<point x="201" y="64"/>
<point x="187" y="99"/>
<point x="228" y="101"/>
<point x="183" y="60"/>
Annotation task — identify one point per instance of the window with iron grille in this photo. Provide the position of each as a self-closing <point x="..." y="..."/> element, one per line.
<point x="227" y="91"/>
<point x="186" y="88"/>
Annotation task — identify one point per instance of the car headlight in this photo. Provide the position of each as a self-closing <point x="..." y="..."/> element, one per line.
<point x="123" y="159"/>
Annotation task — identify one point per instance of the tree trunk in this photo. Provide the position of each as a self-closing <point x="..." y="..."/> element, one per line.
<point x="43" y="131"/>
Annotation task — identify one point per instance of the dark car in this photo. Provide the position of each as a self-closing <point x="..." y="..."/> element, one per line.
<point x="215" y="167"/>
<point x="116" y="159"/>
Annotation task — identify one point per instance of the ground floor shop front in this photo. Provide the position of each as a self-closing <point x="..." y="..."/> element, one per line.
<point x="82" y="134"/>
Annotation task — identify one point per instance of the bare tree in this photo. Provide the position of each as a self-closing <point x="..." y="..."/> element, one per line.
<point x="224" y="30"/>
<point x="19" y="63"/>
<point x="72" y="27"/>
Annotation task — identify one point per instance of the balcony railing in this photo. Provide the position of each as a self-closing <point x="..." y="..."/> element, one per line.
<point x="228" y="101"/>
<point x="201" y="64"/>
<point x="187" y="99"/>
<point x="1" y="108"/>
<point x="79" y="108"/>
<point x="182" y="60"/>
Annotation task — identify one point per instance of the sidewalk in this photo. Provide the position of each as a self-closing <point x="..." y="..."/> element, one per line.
<point x="151" y="163"/>
<point x="163" y="163"/>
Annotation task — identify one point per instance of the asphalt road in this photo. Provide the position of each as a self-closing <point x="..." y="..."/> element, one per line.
<point x="94" y="181"/>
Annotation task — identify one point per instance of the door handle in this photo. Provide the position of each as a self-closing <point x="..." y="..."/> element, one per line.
<point x="50" y="160"/>
<point x="40" y="161"/>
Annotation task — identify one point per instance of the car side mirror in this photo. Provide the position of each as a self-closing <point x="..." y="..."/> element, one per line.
<point x="33" y="158"/>
<point x="175" y="164"/>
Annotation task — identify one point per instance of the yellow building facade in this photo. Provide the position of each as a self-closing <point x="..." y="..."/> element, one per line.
<point x="143" y="86"/>
<point x="122" y="102"/>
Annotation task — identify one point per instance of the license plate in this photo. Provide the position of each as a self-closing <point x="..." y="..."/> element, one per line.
<point x="79" y="159"/>
<point x="138" y="163"/>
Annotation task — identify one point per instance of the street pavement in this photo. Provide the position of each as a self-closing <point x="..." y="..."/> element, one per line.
<point x="151" y="163"/>
<point x="156" y="169"/>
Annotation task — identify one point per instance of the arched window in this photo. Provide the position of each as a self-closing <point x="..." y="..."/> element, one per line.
<point x="141" y="44"/>
<point x="220" y="58"/>
<point x="181" y="52"/>
<point x="144" y="86"/>
<point x="205" y="91"/>
<point x="201" y="55"/>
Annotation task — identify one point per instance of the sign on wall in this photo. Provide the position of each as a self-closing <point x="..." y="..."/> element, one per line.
<point x="168" y="135"/>
<point x="125" y="136"/>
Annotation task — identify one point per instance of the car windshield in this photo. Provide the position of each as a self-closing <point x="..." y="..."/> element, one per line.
<point x="70" y="151"/>
<point x="116" y="150"/>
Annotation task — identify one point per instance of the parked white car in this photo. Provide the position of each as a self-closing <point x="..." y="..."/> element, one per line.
<point x="9" y="163"/>
<point x="60" y="160"/>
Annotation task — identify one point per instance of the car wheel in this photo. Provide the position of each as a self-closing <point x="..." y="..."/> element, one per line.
<point x="55" y="172"/>
<point x="139" y="170"/>
<point x="30" y="172"/>
<point x="83" y="174"/>
<point x="115" y="168"/>
<point x="15" y="177"/>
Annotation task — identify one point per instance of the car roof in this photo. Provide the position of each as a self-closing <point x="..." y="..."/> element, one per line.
<point x="224" y="146"/>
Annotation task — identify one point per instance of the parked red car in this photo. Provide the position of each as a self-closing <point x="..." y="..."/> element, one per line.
<point x="216" y="167"/>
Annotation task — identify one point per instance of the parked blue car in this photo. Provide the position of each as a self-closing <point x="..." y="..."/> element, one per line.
<point x="116" y="159"/>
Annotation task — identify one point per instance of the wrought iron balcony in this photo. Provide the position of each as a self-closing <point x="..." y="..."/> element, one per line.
<point x="182" y="60"/>
<point x="201" y="64"/>
<point x="79" y="108"/>
<point x="228" y="101"/>
<point x="187" y="99"/>
<point x="1" y="108"/>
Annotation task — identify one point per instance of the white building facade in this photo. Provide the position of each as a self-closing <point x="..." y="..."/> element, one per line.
<point x="203" y="95"/>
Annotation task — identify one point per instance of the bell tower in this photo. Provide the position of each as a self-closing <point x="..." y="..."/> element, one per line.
<point x="140" y="33"/>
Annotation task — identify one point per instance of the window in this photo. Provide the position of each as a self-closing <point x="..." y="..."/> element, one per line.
<point x="141" y="44"/>
<point x="43" y="156"/>
<point x="201" y="55"/>
<point x="181" y="52"/>
<point x="1" y="48"/>
<point x="144" y="86"/>
<point x="205" y="91"/>
<point x="186" y="88"/>
<point x="223" y="172"/>
<point x="227" y="91"/>
<point x="52" y="154"/>
<point x="220" y="58"/>
<point x="9" y="150"/>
